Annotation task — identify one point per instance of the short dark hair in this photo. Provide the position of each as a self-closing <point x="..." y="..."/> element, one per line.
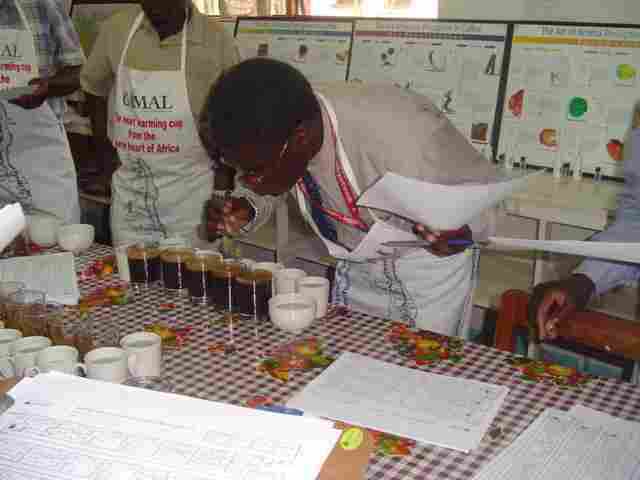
<point x="257" y="100"/>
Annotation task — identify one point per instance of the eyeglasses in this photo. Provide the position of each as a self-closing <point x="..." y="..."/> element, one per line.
<point x="255" y="176"/>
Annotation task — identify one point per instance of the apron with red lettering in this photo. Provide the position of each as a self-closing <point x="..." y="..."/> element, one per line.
<point x="36" y="166"/>
<point x="164" y="178"/>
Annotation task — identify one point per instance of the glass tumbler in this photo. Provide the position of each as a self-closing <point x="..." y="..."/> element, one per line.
<point x="26" y="311"/>
<point x="6" y="289"/>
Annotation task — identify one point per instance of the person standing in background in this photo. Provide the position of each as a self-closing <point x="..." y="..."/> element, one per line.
<point x="40" y="49"/>
<point x="155" y="62"/>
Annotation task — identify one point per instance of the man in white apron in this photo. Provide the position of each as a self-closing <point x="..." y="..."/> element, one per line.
<point x="40" y="59"/>
<point x="329" y="144"/>
<point x="156" y="64"/>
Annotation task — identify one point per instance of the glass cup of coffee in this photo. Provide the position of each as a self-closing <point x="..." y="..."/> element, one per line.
<point x="173" y="261"/>
<point x="144" y="264"/>
<point x="26" y="312"/>
<point x="221" y="283"/>
<point x="6" y="289"/>
<point x="251" y="293"/>
<point x="196" y="276"/>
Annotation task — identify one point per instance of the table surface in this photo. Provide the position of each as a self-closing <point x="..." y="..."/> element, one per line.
<point x="233" y="379"/>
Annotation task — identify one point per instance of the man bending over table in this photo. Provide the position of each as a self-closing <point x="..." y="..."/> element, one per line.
<point x="327" y="144"/>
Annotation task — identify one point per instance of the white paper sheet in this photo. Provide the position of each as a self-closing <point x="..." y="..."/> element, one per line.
<point x="562" y="445"/>
<point x="113" y="432"/>
<point x="437" y="409"/>
<point x="54" y="274"/>
<point x="12" y="222"/>
<point x="440" y="207"/>
<point x="622" y="252"/>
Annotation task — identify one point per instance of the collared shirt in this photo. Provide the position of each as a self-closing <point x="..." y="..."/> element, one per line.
<point x="210" y="50"/>
<point x="607" y="275"/>
<point x="56" y="40"/>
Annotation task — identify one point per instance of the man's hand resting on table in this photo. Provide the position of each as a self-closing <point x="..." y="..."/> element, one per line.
<point x="440" y="239"/>
<point x="553" y="302"/>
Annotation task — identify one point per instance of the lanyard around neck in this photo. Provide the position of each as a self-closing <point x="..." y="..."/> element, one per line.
<point x="348" y="195"/>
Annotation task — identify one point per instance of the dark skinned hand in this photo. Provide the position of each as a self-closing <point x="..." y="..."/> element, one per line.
<point x="439" y="239"/>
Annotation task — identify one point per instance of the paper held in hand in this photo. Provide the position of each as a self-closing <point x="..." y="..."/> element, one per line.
<point x="439" y="207"/>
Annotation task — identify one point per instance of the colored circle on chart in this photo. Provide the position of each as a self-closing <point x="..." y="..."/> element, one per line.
<point x="578" y="106"/>
<point x="625" y="71"/>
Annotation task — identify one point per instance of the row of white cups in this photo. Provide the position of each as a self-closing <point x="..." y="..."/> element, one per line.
<point x="139" y="355"/>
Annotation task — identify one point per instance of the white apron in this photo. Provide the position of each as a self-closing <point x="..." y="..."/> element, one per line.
<point x="36" y="166"/>
<point x="420" y="289"/>
<point x="164" y="178"/>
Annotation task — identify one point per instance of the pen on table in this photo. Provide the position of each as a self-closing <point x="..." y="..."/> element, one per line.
<point x="454" y="242"/>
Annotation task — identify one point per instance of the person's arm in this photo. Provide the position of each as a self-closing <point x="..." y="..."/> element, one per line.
<point x="97" y="78"/>
<point x="462" y="164"/>
<point x="607" y="275"/>
<point x="554" y="302"/>
<point x="68" y="59"/>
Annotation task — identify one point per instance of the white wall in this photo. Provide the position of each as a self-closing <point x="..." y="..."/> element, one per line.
<point x="617" y="11"/>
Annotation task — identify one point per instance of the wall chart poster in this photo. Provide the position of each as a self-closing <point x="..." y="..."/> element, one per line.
<point x="570" y="95"/>
<point x="319" y="49"/>
<point x="457" y="65"/>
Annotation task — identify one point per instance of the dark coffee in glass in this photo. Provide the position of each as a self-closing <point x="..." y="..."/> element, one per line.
<point x="243" y="293"/>
<point x="173" y="262"/>
<point x="221" y="280"/>
<point x="144" y="264"/>
<point x="196" y="276"/>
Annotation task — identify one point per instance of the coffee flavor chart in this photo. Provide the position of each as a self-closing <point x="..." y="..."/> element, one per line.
<point x="458" y="65"/>
<point x="569" y="96"/>
<point x="319" y="49"/>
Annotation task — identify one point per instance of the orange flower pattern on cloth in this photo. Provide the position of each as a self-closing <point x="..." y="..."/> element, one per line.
<point x="424" y="347"/>
<point x="302" y="354"/>
<point x="536" y="371"/>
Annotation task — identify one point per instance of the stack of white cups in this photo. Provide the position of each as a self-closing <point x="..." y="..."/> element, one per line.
<point x="298" y="300"/>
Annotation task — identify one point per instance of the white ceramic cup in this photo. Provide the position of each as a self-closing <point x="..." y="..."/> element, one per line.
<point x="292" y="312"/>
<point x="43" y="229"/>
<point x="145" y="351"/>
<point x="61" y="358"/>
<point x="286" y="280"/>
<point x="318" y="289"/>
<point x="24" y="353"/>
<point x="76" y="237"/>
<point x="109" y="364"/>
<point x="8" y="337"/>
